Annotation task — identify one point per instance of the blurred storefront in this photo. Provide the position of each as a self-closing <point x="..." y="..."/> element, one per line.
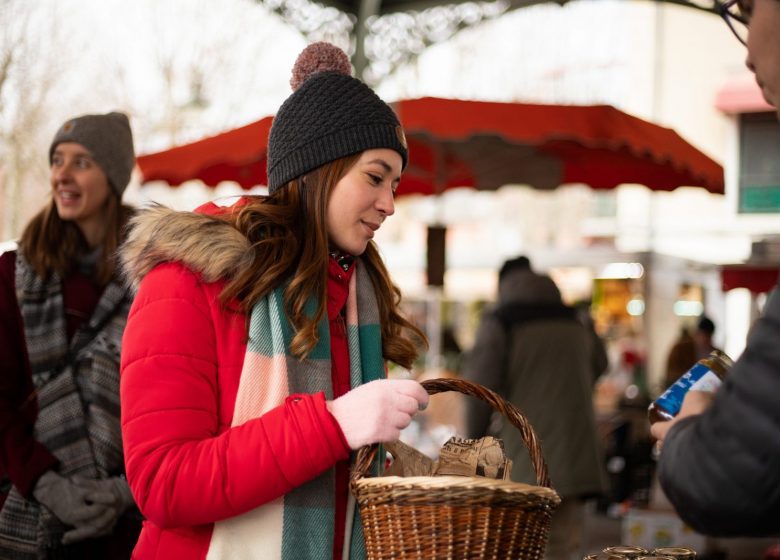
<point x="639" y="302"/>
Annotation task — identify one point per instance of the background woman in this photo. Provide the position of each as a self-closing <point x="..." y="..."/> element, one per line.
<point x="62" y="313"/>
<point x="254" y="357"/>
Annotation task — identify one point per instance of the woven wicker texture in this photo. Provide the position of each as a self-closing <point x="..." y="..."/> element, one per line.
<point x="453" y="517"/>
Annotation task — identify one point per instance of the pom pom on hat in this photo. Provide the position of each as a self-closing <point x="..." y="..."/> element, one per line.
<point x="319" y="57"/>
<point x="330" y="115"/>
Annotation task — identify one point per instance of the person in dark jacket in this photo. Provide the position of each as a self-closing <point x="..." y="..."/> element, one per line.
<point x="720" y="460"/>
<point x="537" y="353"/>
<point x="62" y="313"/>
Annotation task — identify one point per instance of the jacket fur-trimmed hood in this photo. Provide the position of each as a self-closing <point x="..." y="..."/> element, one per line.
<point x="203" y="243"/>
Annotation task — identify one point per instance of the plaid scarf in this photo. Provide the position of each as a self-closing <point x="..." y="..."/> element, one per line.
<point x="301" y="523"/>
<point x="77" y="389"/>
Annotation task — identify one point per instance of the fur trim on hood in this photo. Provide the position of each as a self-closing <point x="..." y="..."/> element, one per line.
<point x="204" y="244"/>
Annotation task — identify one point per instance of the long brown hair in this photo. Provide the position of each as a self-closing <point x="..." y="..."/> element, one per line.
<point x="288" y="234"/>
<point x="51" y="244"/>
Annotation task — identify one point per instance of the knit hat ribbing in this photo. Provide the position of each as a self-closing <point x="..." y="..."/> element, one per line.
<point x="330" y="115"/>
<point x="110" y="141"/>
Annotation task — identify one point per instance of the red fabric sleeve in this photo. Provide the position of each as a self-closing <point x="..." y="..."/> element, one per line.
<point x="80" y="297"/>
<point x="183" y="466"/>
<point x="22" y="457"/>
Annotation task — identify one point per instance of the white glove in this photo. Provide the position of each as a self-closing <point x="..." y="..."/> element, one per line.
<point x="377" y="411"/>
<point x="64" y="499"/>
<point x="112" y="496"/>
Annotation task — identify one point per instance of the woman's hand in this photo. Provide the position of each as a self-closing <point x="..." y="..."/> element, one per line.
<point x="377" y="411"/>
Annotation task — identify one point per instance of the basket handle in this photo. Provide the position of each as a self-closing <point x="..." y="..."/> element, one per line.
<point x="367" y="453"/>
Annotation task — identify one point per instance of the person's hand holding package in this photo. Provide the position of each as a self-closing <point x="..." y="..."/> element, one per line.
<point x="377" y="411"/>
<point x="695" y="403"/>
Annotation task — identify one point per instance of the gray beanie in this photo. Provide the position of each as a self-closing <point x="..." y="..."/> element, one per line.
<point x="110" y="141"/>
<point x="330" y="115"/>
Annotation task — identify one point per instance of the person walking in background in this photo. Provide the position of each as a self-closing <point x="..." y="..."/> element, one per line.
<point x="254" y="355"/>
<point x="689" y="349"/>
<point x="62" y="313"/>
<point x="720" y="459"/>
<point x="533" y="350"/>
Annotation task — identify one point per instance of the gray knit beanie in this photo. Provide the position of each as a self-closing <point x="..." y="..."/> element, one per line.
<point x="330" y="115"/>
<point x="110" y="141"/>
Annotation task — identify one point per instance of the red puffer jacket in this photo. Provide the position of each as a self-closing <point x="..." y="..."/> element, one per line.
<point x="181" y="363"/>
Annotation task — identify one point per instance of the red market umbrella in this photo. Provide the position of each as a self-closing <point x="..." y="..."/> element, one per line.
<point x="484" y="145"/>
<point x="455" y="143"/>
<point x="236" y="155"/>
<point x="759" y="279"/>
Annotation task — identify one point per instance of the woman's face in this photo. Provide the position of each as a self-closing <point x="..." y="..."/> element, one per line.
<point x="80" y="189"/>
<point x="363" y="199"/>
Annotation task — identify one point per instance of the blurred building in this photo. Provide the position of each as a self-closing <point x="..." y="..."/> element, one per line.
<point x="675" y="66"/>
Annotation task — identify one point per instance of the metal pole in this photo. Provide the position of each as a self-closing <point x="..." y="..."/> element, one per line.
<point x="367" y="9"/>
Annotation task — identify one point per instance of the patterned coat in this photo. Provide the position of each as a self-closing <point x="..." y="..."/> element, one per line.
<point x="59" y="399"/>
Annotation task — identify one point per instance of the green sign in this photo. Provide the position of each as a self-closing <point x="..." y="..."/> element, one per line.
<point x="759" y="166"/>
<point x="759" y="199"/>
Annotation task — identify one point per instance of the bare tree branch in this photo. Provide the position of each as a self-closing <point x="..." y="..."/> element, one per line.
<point x="27" y="82"/>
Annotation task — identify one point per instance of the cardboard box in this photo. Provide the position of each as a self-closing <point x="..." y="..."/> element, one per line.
<point x="651" y="529"/>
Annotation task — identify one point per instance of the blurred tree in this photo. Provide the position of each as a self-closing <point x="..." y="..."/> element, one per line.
<point x="29" y="50"/>
<point x="204" y="70"/>
<point x="179" y="68"/>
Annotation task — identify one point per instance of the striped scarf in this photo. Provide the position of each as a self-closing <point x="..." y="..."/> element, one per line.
<point x="77" y="389"/>
<point x="300" y="524"/>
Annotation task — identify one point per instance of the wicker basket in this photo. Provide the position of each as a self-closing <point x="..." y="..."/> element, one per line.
<point x="456" y="517"/>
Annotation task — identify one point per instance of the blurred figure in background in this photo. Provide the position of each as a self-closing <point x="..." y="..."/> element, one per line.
<point x="720" y="461"/>
<point x="534" y="351"/>
<point x="689" y="349"/>
<point x="62" y="314"/>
